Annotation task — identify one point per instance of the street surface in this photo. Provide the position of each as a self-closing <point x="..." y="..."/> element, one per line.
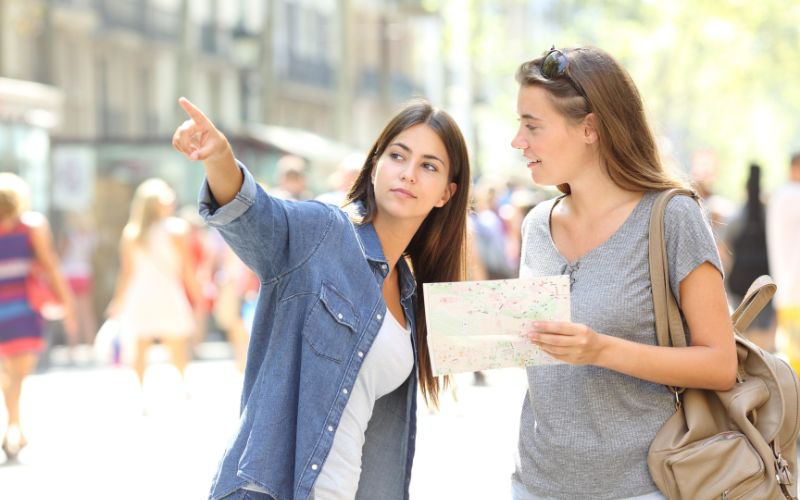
<point x="94" y="435"/>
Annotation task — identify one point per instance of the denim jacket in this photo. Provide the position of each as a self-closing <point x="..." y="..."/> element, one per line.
<point x="319" y="310"/>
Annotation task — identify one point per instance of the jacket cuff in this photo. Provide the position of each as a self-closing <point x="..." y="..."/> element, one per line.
<point x="216" y="215"/>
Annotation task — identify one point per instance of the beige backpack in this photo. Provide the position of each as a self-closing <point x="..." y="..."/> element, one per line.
<point x="735" y="444"/>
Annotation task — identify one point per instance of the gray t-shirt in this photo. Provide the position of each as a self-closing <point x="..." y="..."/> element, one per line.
<point x="585" y="430"/>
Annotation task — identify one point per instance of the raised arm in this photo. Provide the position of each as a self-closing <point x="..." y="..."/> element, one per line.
<point x="199" y="139"/>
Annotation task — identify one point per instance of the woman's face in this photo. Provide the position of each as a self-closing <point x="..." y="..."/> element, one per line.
<point x="412" y="176"/>
<point x="555" y="148"/>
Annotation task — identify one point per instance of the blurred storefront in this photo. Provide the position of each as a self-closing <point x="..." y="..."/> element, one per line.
<point x="28" y="112"/>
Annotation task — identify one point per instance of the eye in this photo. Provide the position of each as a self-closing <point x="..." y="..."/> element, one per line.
<point x="430" y="167"/>
<point x="395" y="156"/>
<point x="531" y="127"/>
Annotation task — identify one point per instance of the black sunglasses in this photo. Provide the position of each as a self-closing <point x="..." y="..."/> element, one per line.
<point x="554" y="65"/>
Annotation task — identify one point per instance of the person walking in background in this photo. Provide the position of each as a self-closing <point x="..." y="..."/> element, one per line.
<point x="587" y="424"/>
<point x="328" y="405"/>
<point x="783" y="244"/>
<point x="291" y="179"/>
<point x="25" y="241"/>
<point x="76" y="246"/>
<point x="746" y="236"/>
<point x="342" y="179"/>
<point x="236" y="284"/>
<point x="150" y="299"/>
<point x="201" y="265"/>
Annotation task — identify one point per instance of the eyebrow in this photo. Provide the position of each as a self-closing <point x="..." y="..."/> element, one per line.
<point x="408" y="150"/>
<point x="527" y="116"/>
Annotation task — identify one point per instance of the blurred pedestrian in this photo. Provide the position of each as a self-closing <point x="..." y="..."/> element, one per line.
<point x="25" y="241"/>
<point x="201" y="266"/>
<point x="342" y="179"/>
<point x="746" y="236"/>
<point x="783" y="243"/>
<point x="490" y="232"/>
<point x="76" y="246"/>
<point x="236" y="285"/>
<point x="291" y="179"/>
<point x="587" y="424"/>
<point x="150" y="298"/>
<point x="329" y="400"/>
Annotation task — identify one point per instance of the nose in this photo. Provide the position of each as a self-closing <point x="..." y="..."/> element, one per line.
<point x="408" y="173"/>
<point x="518" y="142"/>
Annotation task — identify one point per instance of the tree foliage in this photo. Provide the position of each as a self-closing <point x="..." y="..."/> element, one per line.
<point x="714" y="74"/>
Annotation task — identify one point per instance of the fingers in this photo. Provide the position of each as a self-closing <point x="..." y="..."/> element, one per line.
<point x="189" y="140"/>
<point x="194" y="113"/>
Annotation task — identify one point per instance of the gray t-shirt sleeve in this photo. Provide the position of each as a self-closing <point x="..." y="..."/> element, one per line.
<point x="690" y="241"/>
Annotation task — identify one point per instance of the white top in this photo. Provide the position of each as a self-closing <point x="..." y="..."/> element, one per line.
<point x="155" y="303"/>
<point x="783" y="242"/>
<point x="388" y="364"/>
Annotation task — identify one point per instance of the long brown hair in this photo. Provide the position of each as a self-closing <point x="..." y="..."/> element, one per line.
<point x="628" y="150"/>
<point x="437" y="251"/>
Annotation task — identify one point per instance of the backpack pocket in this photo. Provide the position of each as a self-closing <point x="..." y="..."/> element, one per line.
<point x="723" y="466"/>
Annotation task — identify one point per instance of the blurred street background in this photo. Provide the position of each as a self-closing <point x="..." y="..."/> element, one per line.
<point x="88" y="105"/>
<point x="91" y="439"/>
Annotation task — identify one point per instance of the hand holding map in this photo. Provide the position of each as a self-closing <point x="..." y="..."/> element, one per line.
<point x="480" y="325"/>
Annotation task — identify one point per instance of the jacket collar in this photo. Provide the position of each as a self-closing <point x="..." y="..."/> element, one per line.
<point x="373" y="251"/>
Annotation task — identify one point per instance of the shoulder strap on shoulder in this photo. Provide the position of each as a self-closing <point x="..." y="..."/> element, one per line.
<point x="669" y="325"/>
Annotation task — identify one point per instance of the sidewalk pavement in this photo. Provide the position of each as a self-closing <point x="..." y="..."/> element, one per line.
<point x="90" y="438"/>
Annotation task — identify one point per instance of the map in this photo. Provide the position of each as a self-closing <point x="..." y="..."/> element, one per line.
<point x="480" y="325"/>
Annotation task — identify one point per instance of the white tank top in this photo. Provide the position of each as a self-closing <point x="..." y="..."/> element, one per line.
<point x="388" y="364"/>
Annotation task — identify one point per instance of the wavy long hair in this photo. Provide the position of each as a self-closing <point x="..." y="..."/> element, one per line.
<point x="628" y="149"/>
<point x="147" y="208"/>
<point x="437" y="251"/>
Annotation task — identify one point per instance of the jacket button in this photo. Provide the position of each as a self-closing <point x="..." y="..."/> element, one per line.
<point x="330" y="428"/>
<point x="339" y="316"/>
<point x="380" y="317"/>
<point x="314" y="467"/>
<point x="344" y="391"/>
<point x="360" y="354"/>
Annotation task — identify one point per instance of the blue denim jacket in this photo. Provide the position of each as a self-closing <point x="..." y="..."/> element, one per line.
<point x="319" y="309"/>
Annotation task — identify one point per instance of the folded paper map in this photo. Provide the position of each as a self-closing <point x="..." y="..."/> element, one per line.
<point x="480" y="325"/>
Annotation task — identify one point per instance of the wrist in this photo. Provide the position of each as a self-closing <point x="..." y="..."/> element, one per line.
<point x="223" y="157"/>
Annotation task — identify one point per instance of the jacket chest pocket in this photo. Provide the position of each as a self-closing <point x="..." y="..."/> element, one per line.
<point x="332" y="325"/>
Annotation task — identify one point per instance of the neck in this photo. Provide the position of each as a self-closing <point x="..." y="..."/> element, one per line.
<point x="394" y="236"/>
<point x="596" y="194"/>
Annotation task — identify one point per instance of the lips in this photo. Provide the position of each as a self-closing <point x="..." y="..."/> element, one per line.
<point x="404" y="193"/>
<point x="534" y="163"/>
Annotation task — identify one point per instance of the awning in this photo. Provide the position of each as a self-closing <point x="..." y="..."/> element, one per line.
<point x="32" y="103"/>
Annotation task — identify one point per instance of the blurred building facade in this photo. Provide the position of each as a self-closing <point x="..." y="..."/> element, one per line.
<point x="101" y="80"/>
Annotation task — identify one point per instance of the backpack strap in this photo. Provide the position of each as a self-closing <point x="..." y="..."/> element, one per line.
<point x="757" y="296"/>
<point x="669" y="324"/>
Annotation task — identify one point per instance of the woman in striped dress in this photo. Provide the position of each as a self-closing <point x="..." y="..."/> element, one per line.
<point x="25" y="239"/>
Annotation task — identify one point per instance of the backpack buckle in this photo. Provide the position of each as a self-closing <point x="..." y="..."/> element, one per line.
<point x="782" y="472"/>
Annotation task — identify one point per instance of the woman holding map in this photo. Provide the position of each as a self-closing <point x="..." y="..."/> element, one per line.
<point x="587" y="424"/>
<point x="329" y="399"/>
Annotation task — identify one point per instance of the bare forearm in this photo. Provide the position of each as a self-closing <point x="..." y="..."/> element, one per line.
<point x="224" y="176"/>
<point x="696" y="366"/>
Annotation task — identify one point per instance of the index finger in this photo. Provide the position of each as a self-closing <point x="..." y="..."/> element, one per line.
<point x="550" y="326"/>
<point x="194" y="112"/>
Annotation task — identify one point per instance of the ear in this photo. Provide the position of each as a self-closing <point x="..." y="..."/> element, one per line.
<point x="448" y="193"/>
<point x="589" y="127"/>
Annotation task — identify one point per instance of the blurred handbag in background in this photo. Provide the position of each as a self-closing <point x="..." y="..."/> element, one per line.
<point x="735" y="444"/>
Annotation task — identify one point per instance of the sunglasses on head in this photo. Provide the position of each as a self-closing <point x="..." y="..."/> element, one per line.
<point x="554" y="65"/>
